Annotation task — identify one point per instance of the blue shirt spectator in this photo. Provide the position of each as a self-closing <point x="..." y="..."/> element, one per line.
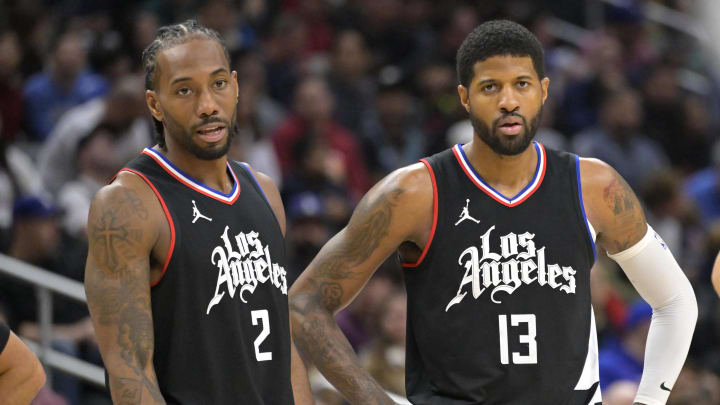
<point x="64" y="85"/>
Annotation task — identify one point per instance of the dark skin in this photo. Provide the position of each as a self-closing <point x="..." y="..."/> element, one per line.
<point x="396" y="215"/>
<point x="128" y="232"/>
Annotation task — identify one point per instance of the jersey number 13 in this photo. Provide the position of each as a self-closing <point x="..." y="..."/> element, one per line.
<point x="528" y="339"/>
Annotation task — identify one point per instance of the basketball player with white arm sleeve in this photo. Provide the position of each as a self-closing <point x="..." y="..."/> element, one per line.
<point x="497" y="238"/>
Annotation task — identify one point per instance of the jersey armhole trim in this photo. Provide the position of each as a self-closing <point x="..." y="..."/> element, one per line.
<point x="588" y="226"/>
<point x="257" y="183"/>
<point x="169" y="219"/>
<point x="435" y="218"/>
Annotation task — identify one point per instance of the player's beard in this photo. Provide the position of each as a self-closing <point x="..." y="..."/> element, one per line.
<point x="502" y="144"/>
<point x="186" y="138"/>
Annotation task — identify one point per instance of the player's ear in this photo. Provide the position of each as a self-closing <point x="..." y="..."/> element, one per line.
<point x="153" y="104"/>
<point x="464" y="94"/>
<point x="235" y="83"/>
<point x="544" y="84"/>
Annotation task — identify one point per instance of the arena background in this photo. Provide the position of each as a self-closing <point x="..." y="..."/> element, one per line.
<point x="335" y="94"/>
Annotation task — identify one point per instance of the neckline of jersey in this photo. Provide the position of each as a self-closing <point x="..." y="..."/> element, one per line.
<point x="521" y="196"/>
<point x="194" y="184"/>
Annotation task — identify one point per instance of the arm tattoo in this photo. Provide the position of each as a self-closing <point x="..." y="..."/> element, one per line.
<point x="118" y="292"/>
<point x="629" y="220"/>
<point x="115" y="239"/>
<point x="320" y="337"/>
<point x="370" y="223"/>
<point x="315" y="330"/>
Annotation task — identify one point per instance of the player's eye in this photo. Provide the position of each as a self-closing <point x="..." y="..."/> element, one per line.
<point x="182" y="91"/>
<point x="523" y="84"/>
<point x="489" y="87"/>
<point x="219" y="84"/>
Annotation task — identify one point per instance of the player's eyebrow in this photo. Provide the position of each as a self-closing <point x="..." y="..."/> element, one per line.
<point x="214" y="72"/>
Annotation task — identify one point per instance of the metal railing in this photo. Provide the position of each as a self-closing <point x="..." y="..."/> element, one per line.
<point x="46" y="284"/>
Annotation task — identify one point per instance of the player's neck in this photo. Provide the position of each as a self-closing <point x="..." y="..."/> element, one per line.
<point x="212" y="173"/>
<point x="506" y="174"/>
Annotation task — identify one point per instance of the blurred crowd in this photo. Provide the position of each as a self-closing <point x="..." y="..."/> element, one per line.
<point x="335" y="94"/>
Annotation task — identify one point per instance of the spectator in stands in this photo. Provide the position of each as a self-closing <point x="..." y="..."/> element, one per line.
<point x="384" y="357"/>
<point x="284" y="57"/>
<point x="36" y="239"/>
<point x="396" y="140"/>
<point x="618" y="141"/>
<point x="352" y="87"/>
<point x="693" y="142"/>
<point x="268" y="113"/>
<point x="65" y="83"/>
<point x="123" y="109"/>
<point x="439" y="105"/>
<point x="359" y="321"/>
<point x="18" y="177"/>
<point x="622" y="359"/>
<point x="672" y="215"/>
<point x="703" y="187"/>
<point x="312" y="114"/>
<point x="251" y="144"/>
<point x="594" y="76"/>
<point x="96" y="162"/>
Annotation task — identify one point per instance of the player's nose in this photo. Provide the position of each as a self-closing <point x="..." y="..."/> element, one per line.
<point x="207" y="105"/>
<point x="508" y="100"/>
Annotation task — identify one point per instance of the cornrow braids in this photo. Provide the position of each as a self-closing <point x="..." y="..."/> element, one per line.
<point x="167" y="37"/>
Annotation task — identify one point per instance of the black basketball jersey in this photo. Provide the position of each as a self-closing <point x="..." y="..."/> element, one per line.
<point x="499" y="305"/>
<point x="220" y="310"/>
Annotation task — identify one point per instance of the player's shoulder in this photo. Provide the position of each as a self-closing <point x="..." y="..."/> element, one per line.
<point x="263" y="180"/>
<point x="595" y="175"/>
<point x="411" y="182"/>
<point x="129" y="195"/>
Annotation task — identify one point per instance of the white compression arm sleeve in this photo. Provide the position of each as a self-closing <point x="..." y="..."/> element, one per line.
<point x="653" y="271"/>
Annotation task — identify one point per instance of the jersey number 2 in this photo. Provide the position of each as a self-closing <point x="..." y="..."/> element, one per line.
<point x="529" y="339"/>
<point x="261" y="315"/>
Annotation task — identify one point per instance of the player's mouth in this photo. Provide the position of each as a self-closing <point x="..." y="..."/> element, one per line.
<point x="510" y="125"/>
<point x="212" y="132"/>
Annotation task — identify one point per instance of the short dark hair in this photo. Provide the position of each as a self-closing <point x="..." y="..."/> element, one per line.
<point x="498" y="38"/>
<point x="168" y="37"/>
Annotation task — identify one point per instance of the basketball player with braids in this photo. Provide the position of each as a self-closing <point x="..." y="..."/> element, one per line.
<point x="185" y="276"/>
<point x="497" y="238"/>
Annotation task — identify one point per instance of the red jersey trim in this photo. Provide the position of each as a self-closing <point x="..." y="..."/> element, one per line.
<point x="523" y="195"/>
<point x="192" y="183"/>
<point x="435" y="218"/>
<point x="170" y="221"/>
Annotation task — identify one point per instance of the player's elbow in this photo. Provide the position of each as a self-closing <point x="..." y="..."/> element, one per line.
<point x="683" y="307"/>
<point x="716" y="279"/>
<point x="23" y="382"/>
<point x="37" y="378"/>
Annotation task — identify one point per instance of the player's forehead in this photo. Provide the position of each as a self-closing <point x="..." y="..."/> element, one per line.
<point x="194" y="59"/>
<point x="503" y="67"/>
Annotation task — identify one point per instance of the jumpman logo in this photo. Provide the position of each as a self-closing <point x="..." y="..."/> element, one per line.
<point x="465" y="214"/>
<point x="197" y="214"/>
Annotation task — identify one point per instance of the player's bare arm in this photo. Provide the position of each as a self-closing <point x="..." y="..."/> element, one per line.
<point x="298" y="373"/>
<point x="21" y="374"/>
<point x="616" y="214"/>
<point x="612" y="207"/>
<point x="716" y="274"/>
<point x="397" y="211"/>
<point x="125" y="225"/>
